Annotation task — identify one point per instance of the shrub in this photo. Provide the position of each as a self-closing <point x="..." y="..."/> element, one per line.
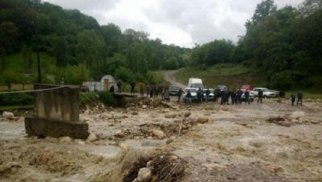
<point x="14" y="99"/>
<point x="76" y="74"/>
<point x="153" y="78"/>
<point x="87" y="97"/>
<point x="106" y="97"/>
<point x="287" y="80"/>
<point x="124" y="74"/>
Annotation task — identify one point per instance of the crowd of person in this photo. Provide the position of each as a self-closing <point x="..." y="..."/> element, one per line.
<point x="224" y="97"/>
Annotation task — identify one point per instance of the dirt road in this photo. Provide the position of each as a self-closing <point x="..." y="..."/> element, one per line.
<point x="218" y="143"/>
<point x="170" y="77"/>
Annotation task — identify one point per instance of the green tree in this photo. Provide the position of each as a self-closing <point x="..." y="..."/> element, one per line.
<point x="10" y="76"/>
<point x="263" y="10"/>
<point x="215" y="52"/>
<point x="90" y="47"/>
<point x="8" y="36"/>
<point x="112" y="35"/>
<point x="76" y="74"/>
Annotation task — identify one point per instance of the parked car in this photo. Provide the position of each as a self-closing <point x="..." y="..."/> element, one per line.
<point x="211" y="94"/>
<point x="173" y="90"/>
<point x="266" y="92"/>
<point x="193" y="92"/>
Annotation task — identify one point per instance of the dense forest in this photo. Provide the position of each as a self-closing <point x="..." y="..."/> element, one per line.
<point x="283" y="44"/>
<point x="80" y="48"/>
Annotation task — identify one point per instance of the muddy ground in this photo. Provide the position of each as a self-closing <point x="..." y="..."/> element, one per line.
<point x="259" y="142"/>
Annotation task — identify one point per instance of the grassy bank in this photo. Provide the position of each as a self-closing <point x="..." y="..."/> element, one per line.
<point x="11" y="108"/>
<point x="307" y="94"/>
<point x="222" y="74"/>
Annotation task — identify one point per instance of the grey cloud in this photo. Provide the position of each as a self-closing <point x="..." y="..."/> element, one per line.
<point x="85" y="6"/>
<point x="202" y="20"/>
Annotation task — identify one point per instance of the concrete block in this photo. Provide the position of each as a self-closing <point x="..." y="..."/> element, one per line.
<point x="55" y="128"/>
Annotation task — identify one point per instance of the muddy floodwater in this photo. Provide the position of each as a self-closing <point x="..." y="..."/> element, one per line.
<point x="259" y="142"/>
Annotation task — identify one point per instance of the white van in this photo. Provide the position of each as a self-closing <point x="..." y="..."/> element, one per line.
<point x="195" y="83"/>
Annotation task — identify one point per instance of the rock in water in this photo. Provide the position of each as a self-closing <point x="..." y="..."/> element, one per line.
<point x="8" y="115"/>
<point x="65" y="139"/>
<point x="144" y="175"/>
<point x="297" y="115"/>
<point x="170" y="115"/>
<point x="92" y="137"/>
<point x="187" y="114"/>
<point x="202" y="120"/>
<point x="158" y="133"/>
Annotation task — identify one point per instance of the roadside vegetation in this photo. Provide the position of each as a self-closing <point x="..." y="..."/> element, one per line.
<point x="232" y="75"/>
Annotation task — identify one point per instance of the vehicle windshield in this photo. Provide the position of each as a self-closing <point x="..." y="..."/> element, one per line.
<point x="197" y="85"/>
<point x="191" y="90"/>
<point x="173" y="88"/>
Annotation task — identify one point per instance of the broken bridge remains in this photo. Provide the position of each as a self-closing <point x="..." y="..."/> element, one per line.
<point x="56" y="113"/>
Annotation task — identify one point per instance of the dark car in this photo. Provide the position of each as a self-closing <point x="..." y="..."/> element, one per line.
<point x="173" y="90"/>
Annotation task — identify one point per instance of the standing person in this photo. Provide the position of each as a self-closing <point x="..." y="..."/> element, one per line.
<point x="112" y="89"/>
<point x="188" y="97"/>
<point x="216" y="95"/>
<point x="166" y="95"/>
<point x="162" y="94"/>
<point x="180" y="92"/>
<point x="151" y="91"/>
<point x="199" y="95"/>
<point x="119" y="86"/>
<point x="148" y="87"/>
<point x="227" y="97"/>
<point x="157" y="90"/>
<point x="239" y="95"/>
<point x="260" y="96"/>
<point x="222" y="97"/>
<point x="132" y="87"/>
<point x="247" y="101"/>
<point x="207" y="94"/>
<point x="293" y="98"/>
<point x="233" y="97"/>
<point x="299" y="98"/>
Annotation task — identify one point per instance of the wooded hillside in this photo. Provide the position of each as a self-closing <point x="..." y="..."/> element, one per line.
<point x="74" y="47"/>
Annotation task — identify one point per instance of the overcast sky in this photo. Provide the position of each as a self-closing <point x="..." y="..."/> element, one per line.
<point x="180" y="22"/>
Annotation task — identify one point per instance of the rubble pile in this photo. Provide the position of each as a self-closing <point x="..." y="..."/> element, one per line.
<point x="163" y="167"/>
<point x="177" y="125"/>
<point x="145" y="102"/>
<point x="295" y="118"/>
